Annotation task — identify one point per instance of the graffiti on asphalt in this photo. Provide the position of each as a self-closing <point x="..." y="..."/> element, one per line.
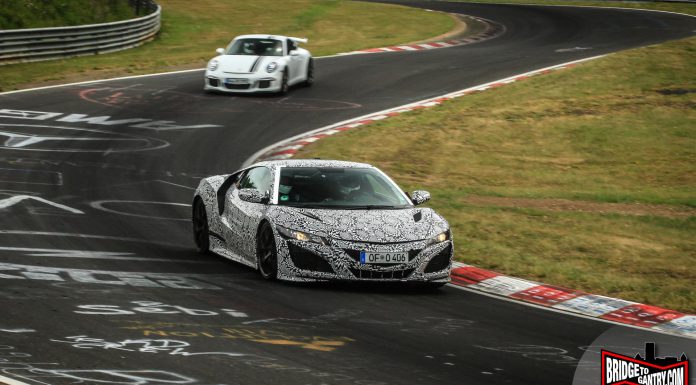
<point x="23" y="366"/>
<point x="550" y="354"/>
<point x="261" y="335"/>
<point x="157" y="125"/>
<point x="145" y="345"/>
<point x="120" y="278"/>
<point x="150" y="307"/>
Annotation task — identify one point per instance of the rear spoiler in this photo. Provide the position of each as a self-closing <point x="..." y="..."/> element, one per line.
<point x="299" y="39"/>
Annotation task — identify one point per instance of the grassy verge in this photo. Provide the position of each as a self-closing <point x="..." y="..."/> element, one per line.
<point x="16" y="14"/>
<point x="191" y="30"/>
<point x="617" y="129"/>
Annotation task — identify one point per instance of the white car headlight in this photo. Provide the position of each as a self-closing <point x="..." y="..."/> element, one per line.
<point x="442" y="237"/>
<point x="213" y="65"/>
<point x="271" y="67"/>
<point x="300" y="236"/>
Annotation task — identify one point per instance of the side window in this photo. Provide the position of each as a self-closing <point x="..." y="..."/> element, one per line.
<point x="224" y="188"/>
<point x="258" y="178"/>
<point x="291" y="46"/>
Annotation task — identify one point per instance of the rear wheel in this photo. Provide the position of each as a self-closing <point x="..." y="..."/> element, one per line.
<point x="200" y="227"/>
<point x="266" y="254"/>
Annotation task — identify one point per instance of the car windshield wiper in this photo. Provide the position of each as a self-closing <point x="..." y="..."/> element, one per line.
<point x="369" y="207"/>
<point x="306" y="206"/>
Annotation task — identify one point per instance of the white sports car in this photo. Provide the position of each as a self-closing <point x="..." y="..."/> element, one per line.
<point x="309" y="220"/>
<point x="260" y="63"/>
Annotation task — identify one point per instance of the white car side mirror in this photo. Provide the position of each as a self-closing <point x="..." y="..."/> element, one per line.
<point x="419" y="197"/>
<point x="252" y="195"/>
<point x="220" y="51"/>
<point x="294" y="53"/>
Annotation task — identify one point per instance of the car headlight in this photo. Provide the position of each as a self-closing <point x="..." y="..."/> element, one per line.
<point x="213" y="65"/>
<point x="300" y="236"/>
<point x="271" y="67"/>
<point x="442" y="237"/>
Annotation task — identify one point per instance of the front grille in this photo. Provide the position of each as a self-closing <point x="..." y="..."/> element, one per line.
<point x="213" y="82"/>
<point x="264" y="83"/>
<point x="237" y="86"/>
<point x="307" y="260"/>
<point x="370" y="274"/>
<point x="355" y="255"/>
<point x="440" y="261"/>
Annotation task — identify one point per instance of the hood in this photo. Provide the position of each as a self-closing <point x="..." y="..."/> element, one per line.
<point x="243" y="63"/>
<point x="378" y="226"/>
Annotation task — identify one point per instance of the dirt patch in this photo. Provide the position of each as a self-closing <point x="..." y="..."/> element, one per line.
<point x="464" y="26"/>
<point x="669" y="211"/>
<point x="677" y="91"/>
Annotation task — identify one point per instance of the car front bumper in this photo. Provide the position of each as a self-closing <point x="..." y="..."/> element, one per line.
<point x="243" y="83"/>
<point x="303" y="261"/>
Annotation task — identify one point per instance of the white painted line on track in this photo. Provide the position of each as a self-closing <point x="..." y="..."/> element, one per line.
<point x="13" y="200"/>
<point x="10" y="381"/>
<point x="176" y="184"/>
<point x="87" y="254"/>
<point x="86" y="236"/>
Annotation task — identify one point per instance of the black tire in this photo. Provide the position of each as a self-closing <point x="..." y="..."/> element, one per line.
<point x="284" y="87"/>
<point x="310" y="74"/>
<point x="266" y="253"/>
<point x="201" y="234"/>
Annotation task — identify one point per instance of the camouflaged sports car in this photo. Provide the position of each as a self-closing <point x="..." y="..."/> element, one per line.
<point x="309" y="220"/>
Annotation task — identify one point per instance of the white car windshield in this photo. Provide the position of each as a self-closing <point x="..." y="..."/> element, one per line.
<point x="256" y="47"/>
<point x="339" y="188"/>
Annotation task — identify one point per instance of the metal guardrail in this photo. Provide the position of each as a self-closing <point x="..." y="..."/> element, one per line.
<point x="23" y="45"/>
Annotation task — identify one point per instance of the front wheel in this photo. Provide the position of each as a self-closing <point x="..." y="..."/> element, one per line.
<point x="201" y="234"/>
<point x="284" y="87"/>
<point x="266" y="254"/>
<point x="309" y="80"/>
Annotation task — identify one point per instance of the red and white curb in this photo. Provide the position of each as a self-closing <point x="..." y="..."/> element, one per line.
<point x="287" y="148"/>
<point x="473" y="278"/>
<point x="574" y="301"/>
<point x="492" y="30"/>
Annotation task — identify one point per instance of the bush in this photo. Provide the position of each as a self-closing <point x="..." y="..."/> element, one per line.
<point x="19" y="14"/>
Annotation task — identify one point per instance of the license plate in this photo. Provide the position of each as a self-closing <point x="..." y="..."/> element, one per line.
<point x="236" y="81"/>
<point x="382" y="258"/>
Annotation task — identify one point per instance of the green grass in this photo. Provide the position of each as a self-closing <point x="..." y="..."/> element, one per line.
<point x="17" y="14"/>
<point x="192" y="30"/>
<point x="617" y="129"/>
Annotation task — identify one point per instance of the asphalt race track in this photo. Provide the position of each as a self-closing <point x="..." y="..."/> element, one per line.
<point x="100" y="282"/>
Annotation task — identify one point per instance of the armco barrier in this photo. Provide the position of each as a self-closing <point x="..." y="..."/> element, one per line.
<point x="22" y="45"/>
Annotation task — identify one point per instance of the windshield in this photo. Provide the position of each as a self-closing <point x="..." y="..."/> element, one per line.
<point x="333" y="187"/>
<point x="256" y="47"/>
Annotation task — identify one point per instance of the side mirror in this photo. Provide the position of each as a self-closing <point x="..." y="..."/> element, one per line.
<point x="419" y="197"/>
<point x="220" y="51"/>
<point x="294" y="53"/>
<point x="252" y="195"/>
